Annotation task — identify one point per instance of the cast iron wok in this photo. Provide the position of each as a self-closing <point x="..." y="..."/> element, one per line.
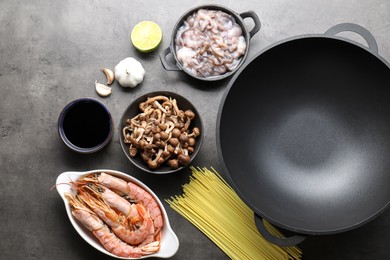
<point x="303" y="133"/>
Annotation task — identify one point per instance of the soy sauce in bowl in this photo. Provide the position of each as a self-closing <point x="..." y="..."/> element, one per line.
<point x="85" y="125"/>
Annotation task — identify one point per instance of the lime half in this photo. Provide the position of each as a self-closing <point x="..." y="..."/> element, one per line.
<point x="146" y="36"/>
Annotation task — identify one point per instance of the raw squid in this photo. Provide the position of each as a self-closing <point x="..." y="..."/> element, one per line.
<point x="209" y="43"/>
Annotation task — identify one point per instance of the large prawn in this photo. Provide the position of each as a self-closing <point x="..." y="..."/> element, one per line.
<point x="102" y="232"/>
<point x="112" y="199"/>
<point x="132" y="224"/>
<point x="134" y="193"/>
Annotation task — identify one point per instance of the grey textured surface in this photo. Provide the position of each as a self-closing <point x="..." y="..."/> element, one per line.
<point x="51" y="53"/>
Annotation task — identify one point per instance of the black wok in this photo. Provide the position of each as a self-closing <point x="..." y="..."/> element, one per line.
<point x="303" y="132"/>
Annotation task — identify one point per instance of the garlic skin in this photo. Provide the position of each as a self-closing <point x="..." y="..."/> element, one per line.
<point x="129" y="72"/>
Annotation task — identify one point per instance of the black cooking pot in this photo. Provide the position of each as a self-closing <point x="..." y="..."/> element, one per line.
<point x="168" y="65"/>
<point x="303" y="132"/>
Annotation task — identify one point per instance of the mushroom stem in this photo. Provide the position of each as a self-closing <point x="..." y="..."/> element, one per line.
<point x="158" y="105"/>
<point x="176" y="109"/>
<point x="140" y="133"/>
<point x="152" y="99"/>
<point x="186" y="124"/>
<point x="154" y="163"/>
<point x="170" y="126"/>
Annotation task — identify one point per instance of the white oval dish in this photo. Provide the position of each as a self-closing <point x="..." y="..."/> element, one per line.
<point x="169" y="241"/>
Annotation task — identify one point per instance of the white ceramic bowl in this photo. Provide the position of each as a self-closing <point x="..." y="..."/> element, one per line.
<point x="169" y="241"/>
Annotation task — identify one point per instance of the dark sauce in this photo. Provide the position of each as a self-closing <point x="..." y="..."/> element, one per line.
<point x="86" y="124"/>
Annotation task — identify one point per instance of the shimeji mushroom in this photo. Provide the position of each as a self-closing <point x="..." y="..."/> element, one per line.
<point x="183" y="159"/>
<point x="160" y="133"/>
<point x="155" y="162"/>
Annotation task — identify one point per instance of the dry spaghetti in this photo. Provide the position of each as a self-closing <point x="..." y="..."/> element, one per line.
<point x="211" y="205"/>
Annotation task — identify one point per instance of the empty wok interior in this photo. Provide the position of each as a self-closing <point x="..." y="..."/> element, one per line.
<point x="304" y="134"/>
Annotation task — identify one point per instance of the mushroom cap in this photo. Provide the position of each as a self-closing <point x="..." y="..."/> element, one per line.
<point x="190" y="114"/>
<point x="184" y="159"/>
<point x="176" y="132"/>
<point x="173" y="163"/>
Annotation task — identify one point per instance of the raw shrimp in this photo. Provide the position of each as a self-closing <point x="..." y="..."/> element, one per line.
<point x="102" y="232"/>
<point x="135" y="193"/>
<point x="111" y="198"/>
<point x="140" y="195"/>
<point x="133" y="228"/>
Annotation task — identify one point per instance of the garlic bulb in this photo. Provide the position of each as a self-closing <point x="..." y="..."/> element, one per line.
<point x="129" y="72"/>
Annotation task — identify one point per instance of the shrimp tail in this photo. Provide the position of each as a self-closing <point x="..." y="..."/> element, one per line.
<point x="151" y="248"/>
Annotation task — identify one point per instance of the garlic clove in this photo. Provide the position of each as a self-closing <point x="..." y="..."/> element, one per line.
<point x="109" y="75"/>
<point x="102" y="89"/>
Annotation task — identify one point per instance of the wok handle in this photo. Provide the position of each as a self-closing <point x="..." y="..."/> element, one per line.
<point x="283" y="242"/>
<point x="168" y="65"/>
<point x="352" y="27"/>
<point x="256" y="20"/>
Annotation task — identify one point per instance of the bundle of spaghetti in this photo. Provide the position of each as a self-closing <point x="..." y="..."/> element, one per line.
<point x="210" y="204"/>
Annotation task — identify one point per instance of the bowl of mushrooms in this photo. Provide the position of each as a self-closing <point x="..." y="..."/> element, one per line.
<point x="161" y="132"/>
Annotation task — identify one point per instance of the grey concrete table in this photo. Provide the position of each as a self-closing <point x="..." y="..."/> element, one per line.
<point x="51" y="53"/>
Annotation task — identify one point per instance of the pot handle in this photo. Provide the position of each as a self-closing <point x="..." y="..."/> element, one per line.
<point x="283" y="242"/>
<point x="352" y="27"/>
<point x="167" y="64"/>
<point x="256" y="20"/>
